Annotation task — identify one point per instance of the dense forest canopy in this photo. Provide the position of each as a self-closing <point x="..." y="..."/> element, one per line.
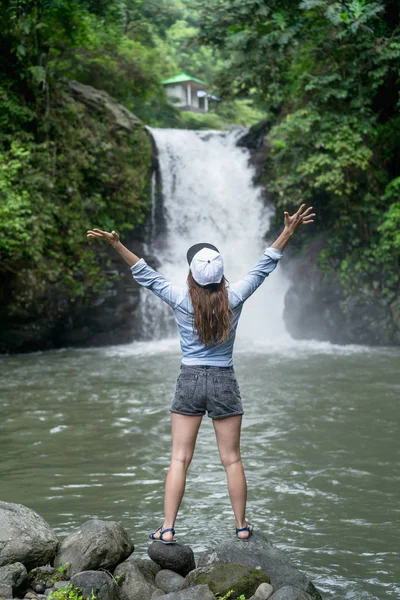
<point x="328" y="76"/>
<point x="323" y="75"/>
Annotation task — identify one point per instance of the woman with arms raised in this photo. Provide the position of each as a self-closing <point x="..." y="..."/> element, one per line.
<point x="207" y="313"/>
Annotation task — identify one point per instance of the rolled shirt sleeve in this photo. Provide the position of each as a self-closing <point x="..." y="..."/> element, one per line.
<point x="244" y="288"/>
<point x="157" y="283"/>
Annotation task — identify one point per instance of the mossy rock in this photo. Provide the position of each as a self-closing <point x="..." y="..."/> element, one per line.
<point x="221" y="579"/>
<point x="46" y="575"/>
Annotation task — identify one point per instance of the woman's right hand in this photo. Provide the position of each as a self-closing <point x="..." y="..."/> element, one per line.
<point x="112" y="238"/>
<point x="301" y="217"/>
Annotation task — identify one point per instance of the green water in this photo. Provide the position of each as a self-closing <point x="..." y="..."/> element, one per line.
<point x="85" y="433"/>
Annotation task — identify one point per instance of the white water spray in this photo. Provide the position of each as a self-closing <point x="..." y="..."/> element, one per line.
<point x="209" y="196"/>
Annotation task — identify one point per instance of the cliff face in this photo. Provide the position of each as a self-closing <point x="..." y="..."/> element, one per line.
<point x="80" y="293"/>
<point x="317" y="306"/>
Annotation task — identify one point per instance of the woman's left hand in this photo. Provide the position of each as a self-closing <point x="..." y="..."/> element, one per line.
<point x="301" y="217"/>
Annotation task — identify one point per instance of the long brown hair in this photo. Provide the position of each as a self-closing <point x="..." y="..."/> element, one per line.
<point x="211" y="311"/>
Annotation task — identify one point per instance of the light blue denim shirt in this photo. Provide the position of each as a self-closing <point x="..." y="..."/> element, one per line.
<point x="193" y="351"/>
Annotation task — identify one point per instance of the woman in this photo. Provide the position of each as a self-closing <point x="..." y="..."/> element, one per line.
<point x="207" y="313"/>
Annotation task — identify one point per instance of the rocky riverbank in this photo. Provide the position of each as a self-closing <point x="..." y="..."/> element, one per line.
<point x="96" y="562"/>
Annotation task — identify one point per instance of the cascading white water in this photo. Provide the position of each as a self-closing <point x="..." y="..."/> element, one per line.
<point x="209" y="196"/>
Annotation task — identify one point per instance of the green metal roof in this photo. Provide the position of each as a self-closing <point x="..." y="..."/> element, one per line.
<point x="182" y="77"/>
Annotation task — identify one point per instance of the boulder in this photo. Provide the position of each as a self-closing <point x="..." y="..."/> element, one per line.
<point x="263" y="592"/>
<point x="288" y="592"/>
<point x="96" y="544"/>
<point x="169" y="581"/>
<point x="100" y="101"/>
<point x="222" y="579"/>
<point x="175" y="557"/>
<point x="137" y="581"/>
<point x="258" y="552"/>
<point x="25" y="537"/>
<point x="16" y="576"/>
<point x="199" y="592"/>
<point x="6" y="590"/>
<point x="157" y="593"/>
<point x="148" y="567"/>
<point x="61" y="585"/>
<point x="95" y="583"/>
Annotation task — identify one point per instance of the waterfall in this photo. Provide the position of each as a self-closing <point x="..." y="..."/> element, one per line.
<point x="208" y="195"/>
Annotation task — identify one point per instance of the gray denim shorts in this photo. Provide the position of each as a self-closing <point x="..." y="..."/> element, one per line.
<point x="206" y="388"/>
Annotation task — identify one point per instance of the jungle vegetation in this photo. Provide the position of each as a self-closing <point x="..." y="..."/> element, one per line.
<point x="323" y="75"/>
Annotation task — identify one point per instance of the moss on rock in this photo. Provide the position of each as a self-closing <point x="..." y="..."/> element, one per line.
<point x="222" y="579"/>
<point x="88" y="164"/>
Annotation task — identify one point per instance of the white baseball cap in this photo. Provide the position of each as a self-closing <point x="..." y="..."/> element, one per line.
<point x="206" y="264"/>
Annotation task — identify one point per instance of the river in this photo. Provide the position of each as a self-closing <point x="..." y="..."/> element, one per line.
<point x="85" y="433"/>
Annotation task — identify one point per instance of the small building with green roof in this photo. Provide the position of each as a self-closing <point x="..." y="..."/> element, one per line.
<point x="188" y="93"/>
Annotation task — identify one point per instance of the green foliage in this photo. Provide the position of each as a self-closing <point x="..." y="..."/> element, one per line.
<point x="71" y="592"/>
<point x="85" y="173"/>
<point x="61" y="572"/>
<point x="328" y="76"/>
<point x="16" y="217"/>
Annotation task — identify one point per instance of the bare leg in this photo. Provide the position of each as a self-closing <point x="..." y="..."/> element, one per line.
<point x="184" y="435"/>
<point x="227" y="432"/>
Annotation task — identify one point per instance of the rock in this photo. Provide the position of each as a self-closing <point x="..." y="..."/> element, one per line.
<point x="96" y="544"/>
<point x="16" y="576"/>
<point x="169" y="581"/>
<point x="157" y="593"/>
<point x="48" y="591"/>
<point x="175" y="557"/>
<point x="263" y="592"/>
<point x="318" y="306"/>
<point x="288" y="592"/>
<point x="221" y="579"/>
<point x="96" y="583"/>
<point x="6" y="590"/>
<point x="137" y="581"/>
<point x="31" y="596"/>
<point x="254" y="141"/>
<point x="61" y="585"/>
<point x="199" y="592"/>
<point x="148" y="567"/>
<point x="99" y="100"/>
<point x="260" y="553"/>
<point x="44" y="577"/>
<point x="25" y="537"/>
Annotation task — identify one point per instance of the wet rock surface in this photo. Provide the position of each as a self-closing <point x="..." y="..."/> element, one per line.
<point x="14" y="576"/>
<point x="289" y="592"/>
<point x="169" y="581"/>
<point x="95" y="544"/>
<point x="98" y="583"/>
<point x="258" y="552"/>
<point x="25" y="537"/>
<point x="199" y="592"/>
<point x="222" y="579"/>
<point x="175" y="557"/>
<point x="232" y="567"/>
<point x="137" y="580"/>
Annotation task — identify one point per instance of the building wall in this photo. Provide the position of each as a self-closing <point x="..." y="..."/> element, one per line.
<point x="177" y="93"/>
